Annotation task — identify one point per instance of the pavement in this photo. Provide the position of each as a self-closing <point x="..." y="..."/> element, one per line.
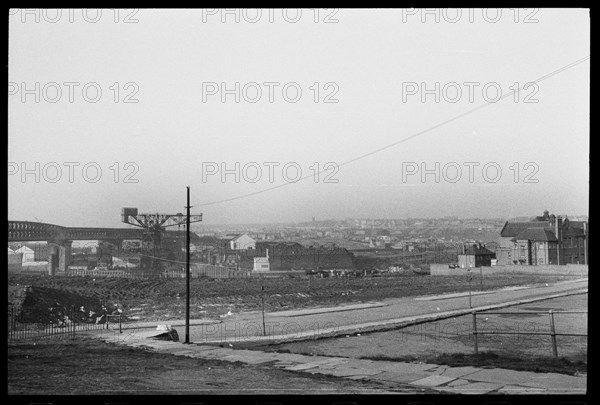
<point x="177" y="322"/>
<point x="392" y="375"/>
<point x="333" y="321"/>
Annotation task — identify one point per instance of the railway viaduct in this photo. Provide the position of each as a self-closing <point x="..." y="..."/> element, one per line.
<point x="60" y="238"/>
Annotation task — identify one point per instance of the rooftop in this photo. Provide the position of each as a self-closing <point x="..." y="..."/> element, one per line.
<point x="477" y="250"/>
<point x="512" y="229"/>
<point x="536" y="234"/>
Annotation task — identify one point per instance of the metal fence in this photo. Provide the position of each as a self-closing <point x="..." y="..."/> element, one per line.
<point x="196" y="270"/>
<point x="551" y="330"/>
<point x="137" y="274"/>
<point x="22" y="328"/>
<point x="208" y="270"/>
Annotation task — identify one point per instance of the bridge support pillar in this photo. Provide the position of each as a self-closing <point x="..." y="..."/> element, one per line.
<point x="59" y="256"/>
<point x="107" y="249"/>
<point x="64" y="258"/>
<point x="52" y="263"/>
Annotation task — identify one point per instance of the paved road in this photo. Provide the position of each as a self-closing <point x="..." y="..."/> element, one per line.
<point x="333" y="321"/>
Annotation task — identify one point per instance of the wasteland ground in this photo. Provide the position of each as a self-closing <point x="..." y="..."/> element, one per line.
<point x="164" y="299"/>
<point x="60" y="366"/>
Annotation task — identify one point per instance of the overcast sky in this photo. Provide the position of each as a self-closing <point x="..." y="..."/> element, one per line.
<point x="139" y="95"/>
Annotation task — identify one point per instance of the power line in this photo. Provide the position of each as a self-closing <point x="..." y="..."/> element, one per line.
<point x="538" y="80"/>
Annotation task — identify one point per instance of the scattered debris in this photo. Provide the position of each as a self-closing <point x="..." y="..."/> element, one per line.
<point x="169" y="334"/>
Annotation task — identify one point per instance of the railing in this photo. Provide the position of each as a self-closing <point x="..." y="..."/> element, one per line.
<point x="136" y="274"/>
<point x="552" y="330"/>
<point x="196" y="270"/>
<point x="20" y="328"/>
<point x="98" y="273"/>
<point x="208" y="270"/>
<point x="118" y="316"/>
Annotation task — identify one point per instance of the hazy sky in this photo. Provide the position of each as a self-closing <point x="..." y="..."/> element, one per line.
<point x="139" y="95"/>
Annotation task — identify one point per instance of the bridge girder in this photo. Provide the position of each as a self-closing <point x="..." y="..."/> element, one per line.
<point x="25" y="231"/>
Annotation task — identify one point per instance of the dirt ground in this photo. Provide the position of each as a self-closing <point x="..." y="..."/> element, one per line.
<point x="162" y="299"/>
<point x="454" y="335"/>
<point x="92" y="367"/>
<point x="87" y="366"/>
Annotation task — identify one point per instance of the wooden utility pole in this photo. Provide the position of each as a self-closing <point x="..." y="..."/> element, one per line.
<point x="470" y="277"/>
<point x="187" y="268"/>
<point x="262" y="297"/>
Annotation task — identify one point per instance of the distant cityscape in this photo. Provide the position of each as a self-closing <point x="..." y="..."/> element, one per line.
<point x="349" y="245"/>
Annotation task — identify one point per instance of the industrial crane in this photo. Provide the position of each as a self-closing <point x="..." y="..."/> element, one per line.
<point x="154" y="225"/>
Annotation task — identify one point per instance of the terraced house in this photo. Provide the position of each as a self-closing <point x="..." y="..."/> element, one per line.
<point x="546" y="239"/>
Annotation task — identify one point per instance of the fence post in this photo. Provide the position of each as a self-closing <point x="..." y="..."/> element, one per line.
<point x="12" y="322"/>
<point x="73" y="321"/>
<point x="553" y="334"/>
<point x="481" y="278"/>
<point x="475" y="331"/>
<point x="120" y="331"/>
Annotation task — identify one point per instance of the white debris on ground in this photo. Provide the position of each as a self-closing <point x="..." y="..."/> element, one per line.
<point x="168" y="333"/>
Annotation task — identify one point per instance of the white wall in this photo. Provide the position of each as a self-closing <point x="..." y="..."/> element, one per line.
<point x="261" y="264"/>
<point x="437" y="269"/>
<point x="242" y="242"/>
<point x="28" y="254"/>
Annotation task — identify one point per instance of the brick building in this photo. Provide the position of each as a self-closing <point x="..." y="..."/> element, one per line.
<point x="476" y="255"/>
<point x="546" y="239"/>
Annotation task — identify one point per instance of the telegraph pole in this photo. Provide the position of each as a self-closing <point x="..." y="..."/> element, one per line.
<point x="154" y="224"/>
<point x="187" y="268"/>
<point x="470" y="277"/>
<point x="262" y="297"/>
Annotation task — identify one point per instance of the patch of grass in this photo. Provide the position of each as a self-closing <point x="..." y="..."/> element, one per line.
<point x="494" y="360"/>
<point x="86" y="366"/>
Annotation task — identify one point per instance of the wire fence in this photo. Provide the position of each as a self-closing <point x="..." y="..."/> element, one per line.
<point x="551" y="328"/>
<point x="208" y="270"/>
<point x="197" y="270"/>
<point x="21" y="326"/>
